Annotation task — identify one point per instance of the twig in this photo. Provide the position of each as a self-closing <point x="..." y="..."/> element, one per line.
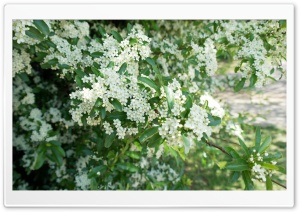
<point x="227" y="153"/>
<point x="279" y="184"/>
<point x="218" y="147"/>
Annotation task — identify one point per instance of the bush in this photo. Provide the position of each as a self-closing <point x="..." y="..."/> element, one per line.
<point x="118" y="105"/>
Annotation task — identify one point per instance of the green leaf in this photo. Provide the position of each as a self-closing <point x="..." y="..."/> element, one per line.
<point x="237" y="165"/>
<point x="133" y="41"/>
<point x="97" y="72"/>
<point x="78" y="81"/>
<point x="109" y="139"/>
<point x="253" y="80"/>
<point x="60" y="150"/>
<point x="94" y="112"/>
<point x="102" y="31"/>
<point x="63" y="66"/>
<point x="34" y="33"/>
<point x="127" y="167"/>
<point x="117" y="105"/>
<point x="93" y="172"/>
<point x="155" y="69"/>
<point x="235" y="176"/>
<point x="214" y="120"/>
<point x="221" y="164"/>
<point x="239" y="85"/>
<point x="98" y="102"/>
<point x="186" y="144"/>
<point x="281" y="169"/>
<point x="269" y="166"/>
<point x="243" y="145"/>
<point x="148" y="134"/>
<point x="117" y="36"/>
<point x="236" y="69"/>
<point x="24" y="76"/>
<point x="42" y="26"/>
<point x="187" y="105"/>
<point x="247" y="180"/>
<point x="93" y="184"/>
<point x="265" y="145"/>
<point x="97" y="54"/>
<point x="232" y="152"/>
<point x="129" y="27"/>
<point x="269" y="183"/>
<point x="39" y="160"/>
<point x="149" y="82"/>
<point x="50" y="63"/>
<point x="257" y="138"/>
<point x="116" y="115"/>
<point x="122" y="68"/>
<point x="151" y="61"/>
<point x="275" y="156"/>
<point x="111" y="64"/>
<point x="155" y="141"/>
<point x="79" y="73"/>
<point x="170" y="97"/>
<point x="134" y="155"/>
<point x="56" y="156"/>
<point x="102" y="113"/>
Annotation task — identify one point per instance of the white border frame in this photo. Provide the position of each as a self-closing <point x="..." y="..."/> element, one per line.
<point x="146" y="198"/>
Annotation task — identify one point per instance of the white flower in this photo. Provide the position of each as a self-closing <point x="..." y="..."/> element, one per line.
<point x="215" y="107"/>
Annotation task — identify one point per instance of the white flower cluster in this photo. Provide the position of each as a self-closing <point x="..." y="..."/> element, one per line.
<point x="216" y="109"/>
<point x="258" y="171"/>
<point x="206" y="56"/>
<point x="255" y="49"/>
<point x="171" y="127"/>
<point x="19" y="29"/>
<point x="171" y="124"/>
<point x="22" y="94"/>
<point x="21" y="62"/>
<point x="116" y="86"/>
<point x="234" y="129"/>
<point x="73" y="29"/>
<point x="198" y="122"/>
<point x="65" y="53"/>
<point x="82" y="181"/>
<point x="37" y="125"/>
<point x="157" y="172"/>
<point x="254" y="46"/>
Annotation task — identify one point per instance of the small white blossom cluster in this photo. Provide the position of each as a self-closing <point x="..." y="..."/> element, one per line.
<point x="255" y="49"/>
<point x="198" y="122"/>
<point x="73" y="29"/>
<point x="254" y="46"/>
<point x="19" y="29"/>
<point x="116" y="86"/>
<point x="258" y="171"/>
<point x="22" y="94"/>
<point x="21" y="62"/>
<point x="206" y="56"/>
<point x="234" y="129"/>
<point x="37" y="125"/>
<point x="157" y="172"/>
<point x="82" y="181"/>
<point x="216" y="109"/>
<point x="65" y="53"/>
<point x="172" y="125"/>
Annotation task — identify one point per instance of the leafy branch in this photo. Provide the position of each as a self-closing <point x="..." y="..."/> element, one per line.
<point x="227" y="153"/>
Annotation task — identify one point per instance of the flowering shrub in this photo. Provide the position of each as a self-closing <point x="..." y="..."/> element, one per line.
<point x="119" y="105"/>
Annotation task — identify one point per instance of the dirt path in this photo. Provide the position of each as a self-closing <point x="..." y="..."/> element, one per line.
<point x="269" y="101"/>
